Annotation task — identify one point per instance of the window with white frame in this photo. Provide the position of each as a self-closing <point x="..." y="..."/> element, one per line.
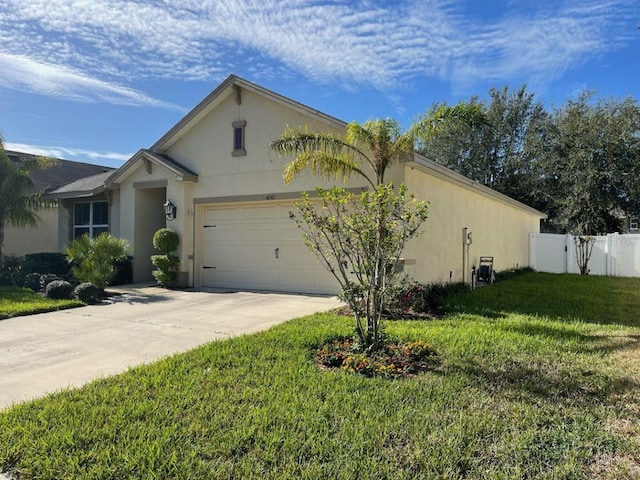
<point x="91" y="218"/>
<point x="238" y="138"/>
<point x="633" y="223"/>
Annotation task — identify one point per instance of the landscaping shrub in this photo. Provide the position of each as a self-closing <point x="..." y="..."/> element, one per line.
<point x="32" y="281"/>
<point x="59" y="290"/>
<point x="6" y="279"/>
<point x="509" y="274"/>
<point x="392" y="359"/>
<point x="54" y="263"/>
<point x="407" y="297"/>
<point x="124" y="271"/>
<point x="87" y="292"/>
<point x="10" y="270"/>
<point x="167" y="241"/>
<point x="46" y="279"/>
<point x="93" y="258"/>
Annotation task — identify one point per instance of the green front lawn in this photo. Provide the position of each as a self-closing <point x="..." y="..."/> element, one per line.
<point x="16" y="301"/>
<point x="538" y="378"/>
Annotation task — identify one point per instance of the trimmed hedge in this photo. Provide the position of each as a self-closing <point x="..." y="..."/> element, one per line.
<point x="59" y="290"/>
<point x="47" y="262"/>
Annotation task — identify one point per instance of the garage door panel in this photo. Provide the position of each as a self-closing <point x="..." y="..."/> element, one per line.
<point x="240" y="251"/>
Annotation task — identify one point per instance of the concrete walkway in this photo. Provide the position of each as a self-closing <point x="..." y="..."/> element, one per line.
<point x="51" y="351"/>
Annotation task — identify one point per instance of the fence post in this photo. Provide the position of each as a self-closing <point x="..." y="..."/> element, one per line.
<point x="532" y="250"/>
<point x="568" y="253"/>
<point x="612" y="254"/>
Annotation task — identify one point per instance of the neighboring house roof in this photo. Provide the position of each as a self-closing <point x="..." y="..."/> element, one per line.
<point x="83" y="187"/>
<point x="63" y="173"/>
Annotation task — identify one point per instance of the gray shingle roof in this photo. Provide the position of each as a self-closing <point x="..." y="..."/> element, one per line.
<point x="65" y="172"/>
<point x="83" y="187"/>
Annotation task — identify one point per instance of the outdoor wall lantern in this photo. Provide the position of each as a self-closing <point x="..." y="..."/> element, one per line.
<point x="169" y="210"/>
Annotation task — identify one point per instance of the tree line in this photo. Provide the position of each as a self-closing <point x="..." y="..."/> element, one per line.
<point x="578" y="162"/>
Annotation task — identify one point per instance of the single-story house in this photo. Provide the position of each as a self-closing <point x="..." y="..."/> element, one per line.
<point x="52" y="233"/>
<point x="232" y="206"/>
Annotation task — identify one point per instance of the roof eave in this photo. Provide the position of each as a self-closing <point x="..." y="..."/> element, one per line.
<point x="467" y="183"/>
<point x="191" y="118"/>
<point x="181" y="175"/>
<point x="75" y="194"/>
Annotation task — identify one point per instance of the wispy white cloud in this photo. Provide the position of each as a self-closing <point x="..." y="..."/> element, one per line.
<point x="90" y="156"/>
<point x="23" y="73"/>
<point x="541" y="45"/>
<point x="360" y="42"/>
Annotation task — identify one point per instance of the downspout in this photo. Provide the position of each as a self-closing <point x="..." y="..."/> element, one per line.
<point x="465" y="253"/>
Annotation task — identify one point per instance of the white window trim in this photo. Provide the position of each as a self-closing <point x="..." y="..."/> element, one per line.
<point x="91" y="226"/>
<point x="239" y="152"/>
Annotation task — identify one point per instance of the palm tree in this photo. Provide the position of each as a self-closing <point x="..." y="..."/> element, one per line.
<point x="19" y="202"/>
<point x="374" y="145"/>
<point x="366" y="150"/>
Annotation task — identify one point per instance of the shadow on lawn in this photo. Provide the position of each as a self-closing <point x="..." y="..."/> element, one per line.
<point x="546" y="382"/>
<point x="567" y="298"/>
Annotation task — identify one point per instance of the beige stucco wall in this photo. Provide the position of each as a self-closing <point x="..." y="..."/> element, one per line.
<point x="44" y="238"/>
<point x="499" y="230"/>
<point x="207" y="150"/>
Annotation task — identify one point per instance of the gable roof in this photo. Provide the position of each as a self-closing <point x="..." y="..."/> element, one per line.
<point x="64" y="172"/>
<point x="233" y="85"/>
<point x="148" y="158"/>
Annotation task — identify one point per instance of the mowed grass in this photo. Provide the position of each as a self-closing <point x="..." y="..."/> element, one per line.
<point x="531" y="384"/>
<point x="16" y="301"/>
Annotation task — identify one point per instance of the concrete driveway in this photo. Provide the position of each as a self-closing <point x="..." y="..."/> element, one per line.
<point x="51" y="351"/>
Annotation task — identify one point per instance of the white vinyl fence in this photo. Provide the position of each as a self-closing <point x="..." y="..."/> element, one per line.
<point x="614" y="254"/>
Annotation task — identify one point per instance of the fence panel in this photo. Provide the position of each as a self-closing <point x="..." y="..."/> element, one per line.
<point x="613" y="254"/>
<point x="627" y="258"/>
<point x="548" y="252"/>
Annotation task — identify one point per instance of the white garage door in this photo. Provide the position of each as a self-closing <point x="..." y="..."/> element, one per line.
<point x="258" y="247"/>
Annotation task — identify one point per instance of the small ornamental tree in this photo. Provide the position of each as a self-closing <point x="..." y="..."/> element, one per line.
<point x="584" y="248"/>
<point x="365" y="237"/>
<point x="92" y="259"/>
<point x="359" y="240"/>
<point x="166" y="240"/>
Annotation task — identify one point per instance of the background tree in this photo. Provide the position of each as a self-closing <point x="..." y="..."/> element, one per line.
<point x="496" y="154"/>
<point x="589" y="154"/>
<point x="366" y="238"/>
<point x="19" y="202"/>
<point x="578" y="163"/>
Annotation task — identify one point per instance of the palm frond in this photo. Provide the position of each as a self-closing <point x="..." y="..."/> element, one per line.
<point x="324" y="154"/>
<point x="384" y="139"/>
<point x="443" y="117"/>
<point x="19" y="203"/>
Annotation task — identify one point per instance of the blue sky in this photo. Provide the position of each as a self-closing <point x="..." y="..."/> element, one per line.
<point x="97" y="80"/>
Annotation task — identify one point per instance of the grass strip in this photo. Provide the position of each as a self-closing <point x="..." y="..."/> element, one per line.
<point x="16" y="301"/>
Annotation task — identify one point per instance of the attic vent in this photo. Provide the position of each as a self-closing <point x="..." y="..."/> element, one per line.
<point x="238" y="138"/>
